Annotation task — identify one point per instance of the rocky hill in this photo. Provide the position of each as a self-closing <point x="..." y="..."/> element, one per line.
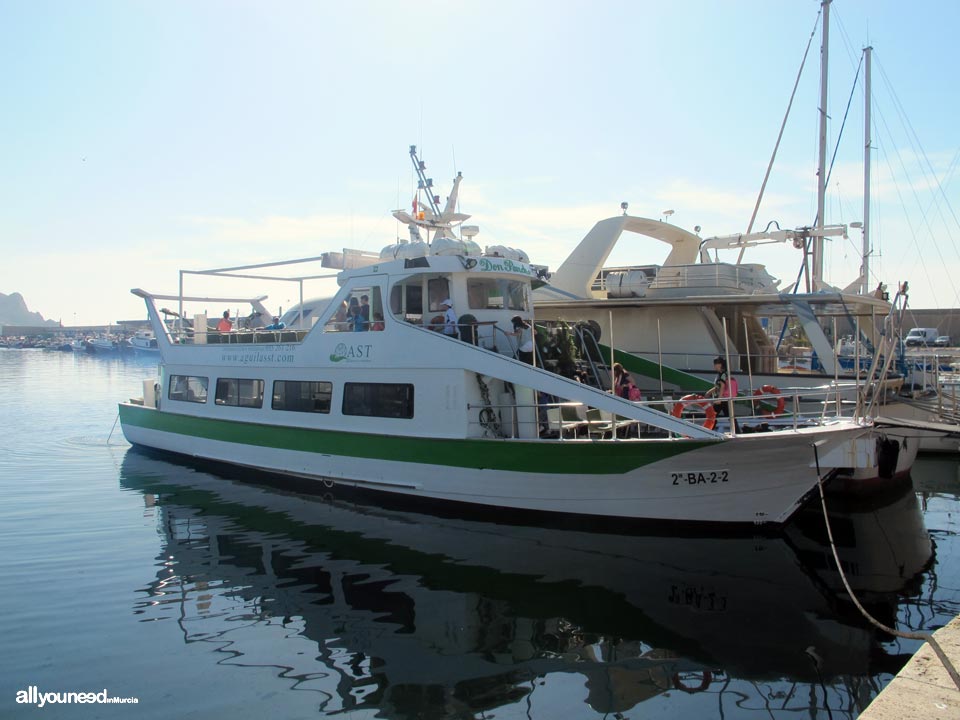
<point x="13" y="311"/>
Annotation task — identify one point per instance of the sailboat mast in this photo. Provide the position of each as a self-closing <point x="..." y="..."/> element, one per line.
<point x="865" y="249"/>
<point x="821" y="164"/>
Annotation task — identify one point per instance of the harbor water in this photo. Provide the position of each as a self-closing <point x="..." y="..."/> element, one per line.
<point x="193" y="592"/>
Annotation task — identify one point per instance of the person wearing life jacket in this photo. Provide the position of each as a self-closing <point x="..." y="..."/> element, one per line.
<point x="724" y="387"/>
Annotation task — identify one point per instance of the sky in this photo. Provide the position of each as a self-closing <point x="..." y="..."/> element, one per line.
<point x="143" y="138"/>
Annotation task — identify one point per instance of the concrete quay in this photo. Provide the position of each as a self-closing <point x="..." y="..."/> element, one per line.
<point x="922" y="689"/>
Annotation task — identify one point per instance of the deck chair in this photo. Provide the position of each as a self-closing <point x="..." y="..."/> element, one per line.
<point x="570" y="420"/>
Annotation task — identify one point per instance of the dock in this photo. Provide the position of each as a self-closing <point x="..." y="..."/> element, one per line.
<point x="922" y="689"/>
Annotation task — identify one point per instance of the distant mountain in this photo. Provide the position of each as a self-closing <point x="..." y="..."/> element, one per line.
<point x="13" y="311"/>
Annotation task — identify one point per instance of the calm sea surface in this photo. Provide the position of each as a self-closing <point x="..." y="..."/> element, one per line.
<point x="202" y="596"/>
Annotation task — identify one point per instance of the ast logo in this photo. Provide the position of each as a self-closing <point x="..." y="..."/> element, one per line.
<point x="344" y="351"/>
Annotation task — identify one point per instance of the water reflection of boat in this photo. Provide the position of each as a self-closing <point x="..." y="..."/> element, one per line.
<point x="420" y="615"/>
<point x="938" y="475"/>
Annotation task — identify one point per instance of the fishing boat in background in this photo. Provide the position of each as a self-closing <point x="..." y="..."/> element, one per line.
<point x="144" y="342"/>
<point x="106" y="344"/>
<point x="385" y="393"/>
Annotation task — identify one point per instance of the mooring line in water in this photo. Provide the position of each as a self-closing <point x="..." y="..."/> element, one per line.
<point x="924" y="636"/>
<point x="113" y="428"/>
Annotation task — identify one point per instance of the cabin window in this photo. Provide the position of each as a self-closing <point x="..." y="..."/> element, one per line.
<point x="294" y="317"/>
<point x="407" y="299"/>
<point x="302" y="396"/>
<point x="359" y="311"/>
<point x="239" y="392"/>
<point x="438" y="290"/>
<point x="188" y="388"/>
<point x="496" y="294"/>
<point x="389" y="400"/>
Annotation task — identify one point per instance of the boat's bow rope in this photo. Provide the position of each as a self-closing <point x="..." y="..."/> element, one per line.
<point x="924" y="636"/>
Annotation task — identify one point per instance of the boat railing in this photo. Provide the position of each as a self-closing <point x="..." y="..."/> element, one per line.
<point x="782" y="363"/>
<point x="567" y="420"/>
<point x="697" y="276"/>
<point x="485" y="334"/>
<point x="256" y="337"/>
<point x="766" y="409"/>
<point x="720" y="276"/>
<point x="926" y="369"/>
<point x="560" y="420"/>
<point x="948" y="398"/>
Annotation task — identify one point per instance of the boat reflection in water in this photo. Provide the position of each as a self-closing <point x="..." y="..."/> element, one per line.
<point x="415" y="615"/>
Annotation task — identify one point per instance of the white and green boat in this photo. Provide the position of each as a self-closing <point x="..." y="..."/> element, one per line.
<point x="392" y="404"/>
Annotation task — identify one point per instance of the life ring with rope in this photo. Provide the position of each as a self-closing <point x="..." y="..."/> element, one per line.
<point x="706" y="403"/>
<point x="705" y="681"/>
<point x="781" y="402"/>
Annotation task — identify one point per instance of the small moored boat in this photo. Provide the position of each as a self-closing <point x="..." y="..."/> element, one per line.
<point x="144" y="342"/>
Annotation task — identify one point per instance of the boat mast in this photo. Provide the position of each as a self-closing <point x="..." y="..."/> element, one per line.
<point x="865" y="248"/>
<point x="821" y="165"/>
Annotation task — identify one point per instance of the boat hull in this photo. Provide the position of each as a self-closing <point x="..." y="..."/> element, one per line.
<point x="749" y="481"/>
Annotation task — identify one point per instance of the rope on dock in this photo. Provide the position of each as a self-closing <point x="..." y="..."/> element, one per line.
<point x="924" y="636"/>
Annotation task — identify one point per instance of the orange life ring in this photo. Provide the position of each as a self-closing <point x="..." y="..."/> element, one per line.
<point x="711" y="422"/>
<point x="781" y="402"/>
<point x="704" y="683"/>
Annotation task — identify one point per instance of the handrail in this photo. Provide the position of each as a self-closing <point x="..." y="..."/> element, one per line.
<point x="606" y="427"/>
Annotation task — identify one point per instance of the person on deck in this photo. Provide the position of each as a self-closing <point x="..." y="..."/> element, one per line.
<point x="449" y="318"/>
<point x="276" y="324"/>
<point x="623" y="385"/>
<point x="355" y="317"/>
<point x="724" y="387"/>
<point x="225" y="324"/>
<point x="524" y="333"/>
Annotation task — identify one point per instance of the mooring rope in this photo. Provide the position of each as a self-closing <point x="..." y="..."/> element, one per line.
<point x="113" y="428"/>
<point x="926" y="637"/>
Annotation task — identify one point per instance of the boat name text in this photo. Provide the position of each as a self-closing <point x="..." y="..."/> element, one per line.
<point x="503" y="265"/>
<point x="698" y="597"/>
<point x="702" y="477"/>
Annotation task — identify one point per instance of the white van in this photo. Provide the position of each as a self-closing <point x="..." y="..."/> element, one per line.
<point x="921" y="336"/>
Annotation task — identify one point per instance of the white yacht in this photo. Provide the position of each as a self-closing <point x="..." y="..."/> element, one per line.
<point x="381" y="399"/>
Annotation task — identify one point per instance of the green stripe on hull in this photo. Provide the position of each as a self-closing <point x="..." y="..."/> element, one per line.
<point x="565" y="458"/>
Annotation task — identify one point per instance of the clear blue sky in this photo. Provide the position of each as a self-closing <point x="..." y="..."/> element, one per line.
<point x="140" y="138"/>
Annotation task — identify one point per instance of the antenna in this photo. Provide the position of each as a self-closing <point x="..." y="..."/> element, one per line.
<point x="423" y="182"/>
